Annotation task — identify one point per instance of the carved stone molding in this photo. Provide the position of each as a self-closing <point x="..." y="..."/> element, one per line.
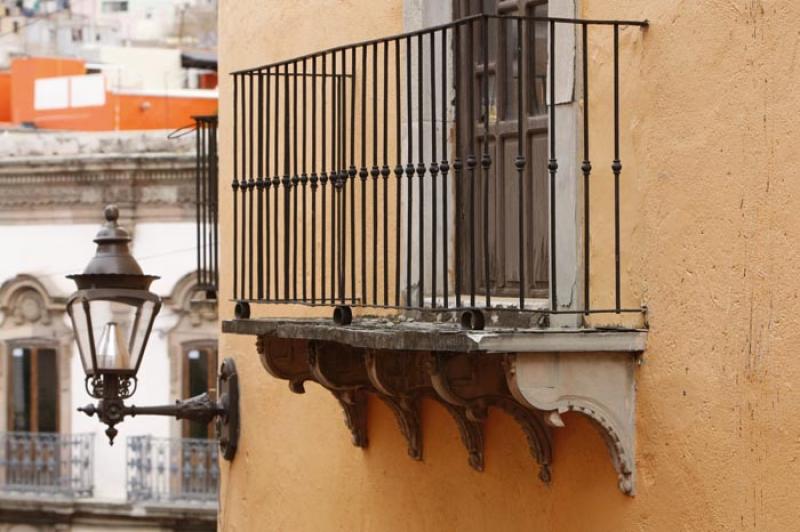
<point x="51" y="189"/>
<point x="25" y="300"/>
<point x="466" y="385"/>
<point x="599" y="386"/>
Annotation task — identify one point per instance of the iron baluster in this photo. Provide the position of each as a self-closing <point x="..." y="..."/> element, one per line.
<point x="374" y="173"/>
<point x="385" y="173"/>
<point x="586" y="168"/>
<point x="352" y="176"/>
<point x="434" y="168"/>
<point x="444" y="166"/>
<point x="457" y="162"/>
<point x="235" y="183"/>
<point x="295" y="180"/>
<point x="421" y="173"/>
<point x="314" y="180"/>
<point x="616" y="167"/>
<point x="342" y="190"/>
<point x="486" y="160"/>
<point x="552" y="167"/>
<point x="519" y="161"/>
<point x="324" y="173"/>
<point x="304" y="178"/>
<point x="251" y="183"/>
<point x="334" y="174"/>
<point x="363" y="174"/>
<point x="267" y="183"/>
<point x="215" y="202"/>
<point x="260" y="187"/>
<point x="198" y="181"/>
<point x="398" y="172"/>
<point x="276" y="182"/>
<point x="244" y="188"/>
<point x="471" y="164"/>
<point x="286" y="182"/>
<point x="409" y="174"/>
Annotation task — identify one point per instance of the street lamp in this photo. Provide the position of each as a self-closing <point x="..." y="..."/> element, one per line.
<point x="112" y="314"/>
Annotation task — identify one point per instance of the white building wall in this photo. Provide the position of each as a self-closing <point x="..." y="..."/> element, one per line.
<point x="49" y="252"/>
<point x="53" y="237"/>
<point x="128" y="67"/>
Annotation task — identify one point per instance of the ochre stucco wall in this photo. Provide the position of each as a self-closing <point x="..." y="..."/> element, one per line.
<point x="711" y="238"/>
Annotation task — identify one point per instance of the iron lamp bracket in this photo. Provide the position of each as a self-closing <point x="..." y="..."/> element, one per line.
<point x="111" y="408"/>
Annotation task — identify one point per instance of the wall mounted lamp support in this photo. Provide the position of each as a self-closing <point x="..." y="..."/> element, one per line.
<point x="112" y="314"/>
<point x="111" y="408"/>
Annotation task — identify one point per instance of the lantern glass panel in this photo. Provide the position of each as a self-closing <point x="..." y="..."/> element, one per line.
<point x="80" y="324"/>
<point x="120" y="328"/>
<point x="143" y="322"/>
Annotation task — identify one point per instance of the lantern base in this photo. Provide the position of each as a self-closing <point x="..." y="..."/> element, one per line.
<point x="112" y="410"/>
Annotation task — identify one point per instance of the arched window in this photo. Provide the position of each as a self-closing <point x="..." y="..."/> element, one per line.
<point x="35" y="353"/>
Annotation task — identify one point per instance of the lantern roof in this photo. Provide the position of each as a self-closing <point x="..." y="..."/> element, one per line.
<point x="113" y="266"/>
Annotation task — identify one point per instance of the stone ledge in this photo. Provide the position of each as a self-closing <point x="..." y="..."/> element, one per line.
<point x="34" y="509"/>
<point x="445" y="337"/>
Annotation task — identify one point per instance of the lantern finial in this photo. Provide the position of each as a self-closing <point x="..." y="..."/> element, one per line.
<point x="111" y="213"/>
<point x="113" y="266"/>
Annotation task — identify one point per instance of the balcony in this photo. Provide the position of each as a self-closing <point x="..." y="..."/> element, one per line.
<point x="206" y="200"/>
<point x="434" y="214"/>
<point x="172" y="471"/>
<point x="47" y="464"/>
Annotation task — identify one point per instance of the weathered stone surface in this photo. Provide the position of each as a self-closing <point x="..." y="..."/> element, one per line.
<point x="377" y="333"/>
<point x="52" y="177"/>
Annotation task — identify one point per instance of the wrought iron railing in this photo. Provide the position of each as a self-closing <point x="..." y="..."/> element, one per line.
<point x="363" y="174"/>
<point x="172" y="470"/>
<point x="47" y="464"/>
<point x="207" y="204"/>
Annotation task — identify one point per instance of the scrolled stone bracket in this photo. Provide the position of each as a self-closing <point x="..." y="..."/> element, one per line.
<point x="599" y="386"/>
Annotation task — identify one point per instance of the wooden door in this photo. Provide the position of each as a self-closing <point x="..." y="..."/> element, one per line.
<point x="501" y="134"/>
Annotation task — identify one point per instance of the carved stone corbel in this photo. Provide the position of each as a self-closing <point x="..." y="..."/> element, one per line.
<point x="341" y="371"/>
<point x="470" y="432"/>
<point x="398" y="380"/>
<point x="600" y="386"/>
<point x="354" y="405"/>
<point x="298" y="361"/>
<point x="285" y="360"/>
<point x="406" y="412"/>
<point x="477" y="382"/>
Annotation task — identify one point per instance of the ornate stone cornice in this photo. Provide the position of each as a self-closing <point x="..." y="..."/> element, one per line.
<point x="54" y="189"/>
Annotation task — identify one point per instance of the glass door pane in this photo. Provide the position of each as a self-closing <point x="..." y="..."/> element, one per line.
<point x="20" y="390"/>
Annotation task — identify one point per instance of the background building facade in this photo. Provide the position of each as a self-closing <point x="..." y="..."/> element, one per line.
<point x="57" y="466"/>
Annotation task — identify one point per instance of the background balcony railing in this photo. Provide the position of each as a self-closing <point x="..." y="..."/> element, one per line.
<point x="172" y="470"/>
<point x="47" y="464"/>
<point x="390" y="173"/>
<point x="207" y="203"/>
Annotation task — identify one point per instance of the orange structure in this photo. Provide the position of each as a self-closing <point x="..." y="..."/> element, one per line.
<point x="57" y="93"/>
